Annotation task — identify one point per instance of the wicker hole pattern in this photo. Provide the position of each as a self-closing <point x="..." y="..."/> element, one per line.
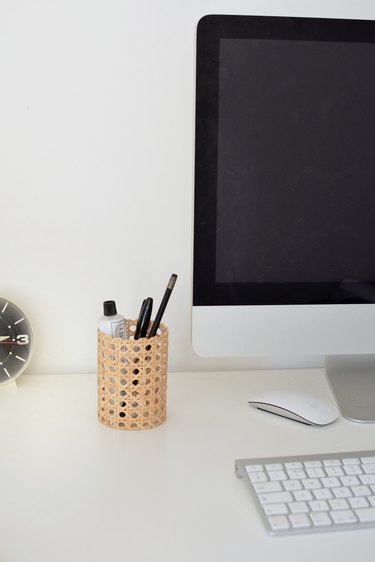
<point x="132" y="380"/>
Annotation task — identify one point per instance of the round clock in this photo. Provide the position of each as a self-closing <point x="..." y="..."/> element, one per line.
<point x="16" y="340"/>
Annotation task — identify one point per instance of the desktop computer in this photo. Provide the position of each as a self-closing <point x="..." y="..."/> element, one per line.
<point x="284" y="235"/>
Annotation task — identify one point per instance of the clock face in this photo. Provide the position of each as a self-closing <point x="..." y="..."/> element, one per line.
<point x="15" y="340"/>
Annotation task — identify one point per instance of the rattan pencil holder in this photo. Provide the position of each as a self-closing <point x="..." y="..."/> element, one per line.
<point x="132" y="379"/>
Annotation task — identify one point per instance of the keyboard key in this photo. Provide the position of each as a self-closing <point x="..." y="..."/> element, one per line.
<point x="353" y="470"/>
<point x="302" y="495"/>
<point x="323" y="494"/>
<point x="292" y="465"/>
<point x="274" y="466"/>
<point x="311" y="484"/>
<point x="343" y="517"/>
<point x="350" y="481"/>
<point x="261" y="487"/>
<point x="361" y="491"/>
<point x="334" y="471"/>
<point x="321" y="519"/>
<point x="367" y="478"/>
<point x="319" y="505"/>
<point x="338" y="504"/>
<point x="292" y="485"/>
<point x="277" y="475"/>
<point x="299" y="520"/>
<point x="352" y="460"/>
<point x="299" y="507"/>
<point x="342" y="492"/>
<point x="312" y="464"/>
<point x="366" y="515"/>
<point x="276" y="509"/>
<point x="332" y="462"/>
<point x="368" y="460"/>
<point x="330" y="482"/>
<point x="253" y="467"/>
<point x="276" y="497"/>
<point x="315" y="472"/>
<point x="279" y="523"/>
<point x="296" y="474"/>
<point x="356" y="503"/>
<point x="257" y="476"/>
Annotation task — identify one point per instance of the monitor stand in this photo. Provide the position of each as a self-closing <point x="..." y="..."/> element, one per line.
<point x="352" y="379"/>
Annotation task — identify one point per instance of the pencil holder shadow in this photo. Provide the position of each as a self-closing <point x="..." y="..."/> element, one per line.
<point x="132" y="379"/>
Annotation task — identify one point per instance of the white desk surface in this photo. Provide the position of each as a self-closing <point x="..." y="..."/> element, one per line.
<point x="74" y="490"/>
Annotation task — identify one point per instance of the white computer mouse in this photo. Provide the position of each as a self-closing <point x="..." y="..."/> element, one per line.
<point x="296" y="405"/>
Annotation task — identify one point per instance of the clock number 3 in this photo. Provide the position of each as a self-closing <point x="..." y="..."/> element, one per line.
<point x="22" y="339"/>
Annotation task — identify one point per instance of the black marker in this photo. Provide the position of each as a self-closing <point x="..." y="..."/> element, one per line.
<point x="143" y="319"/>
<point x="163" y="304"/>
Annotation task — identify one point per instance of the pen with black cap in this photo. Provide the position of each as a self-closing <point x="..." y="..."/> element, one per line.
<point x="163" y="304"/>
<point x="143" y="319"/>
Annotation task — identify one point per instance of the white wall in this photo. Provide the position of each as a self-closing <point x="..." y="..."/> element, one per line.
<point x="96" y="162"/>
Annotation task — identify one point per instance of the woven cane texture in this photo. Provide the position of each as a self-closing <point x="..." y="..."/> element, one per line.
<point x="132" y="379"/>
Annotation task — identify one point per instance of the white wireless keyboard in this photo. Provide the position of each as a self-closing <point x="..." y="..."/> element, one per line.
<point x="310" y="493"/>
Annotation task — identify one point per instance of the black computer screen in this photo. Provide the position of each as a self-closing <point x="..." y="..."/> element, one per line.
<point x="285" y="161"/>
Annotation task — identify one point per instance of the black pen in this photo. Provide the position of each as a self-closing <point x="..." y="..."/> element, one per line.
<point x="143" y="319"/>
<point x="163" y="304"/>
